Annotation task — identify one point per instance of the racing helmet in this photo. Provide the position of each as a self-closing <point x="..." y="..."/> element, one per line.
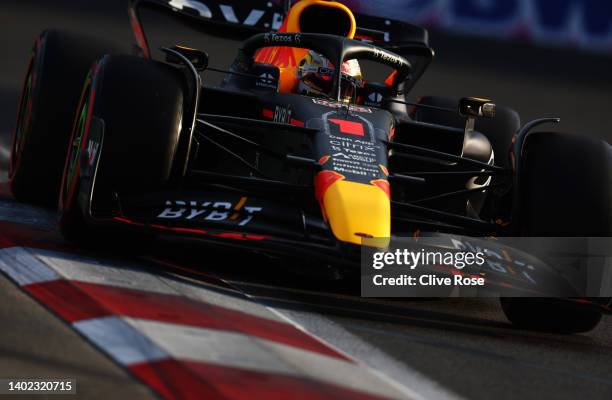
<point x="316" y="77"/>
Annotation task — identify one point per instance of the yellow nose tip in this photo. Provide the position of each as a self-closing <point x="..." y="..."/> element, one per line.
<point x="356" y="211"/>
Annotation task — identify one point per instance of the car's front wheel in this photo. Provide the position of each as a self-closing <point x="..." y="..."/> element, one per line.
<point x="565" y="187"/>
<point x="124" y="140"/>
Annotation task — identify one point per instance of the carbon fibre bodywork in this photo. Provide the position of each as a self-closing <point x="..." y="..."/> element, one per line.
<point x="253" y="163"/>
<point x="345" y="171"/>
<point x="307" y="177"/>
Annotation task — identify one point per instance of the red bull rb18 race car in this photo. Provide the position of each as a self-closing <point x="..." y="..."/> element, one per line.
<point x="308" y="145"/>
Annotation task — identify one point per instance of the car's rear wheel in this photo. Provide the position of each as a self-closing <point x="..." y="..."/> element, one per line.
<point x="551" y="315"/>
<point x="565" y="191"/>
<point x="123" y="141"/>
<point x="58" y="65"/>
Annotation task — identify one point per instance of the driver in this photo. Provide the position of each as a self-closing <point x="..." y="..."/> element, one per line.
<point x="306" y="72"/>
<point x="315" y="75"/>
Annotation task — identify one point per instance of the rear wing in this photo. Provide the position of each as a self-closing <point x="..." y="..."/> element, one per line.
<point x="239" y="20"/>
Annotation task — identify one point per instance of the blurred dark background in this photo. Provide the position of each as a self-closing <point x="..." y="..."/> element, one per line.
<point x="536" y="80"/>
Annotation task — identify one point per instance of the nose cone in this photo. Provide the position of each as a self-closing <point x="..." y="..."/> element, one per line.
<point x="357" y="210"/>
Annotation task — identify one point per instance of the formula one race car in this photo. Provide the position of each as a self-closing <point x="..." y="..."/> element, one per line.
<point x="308" y="146"/>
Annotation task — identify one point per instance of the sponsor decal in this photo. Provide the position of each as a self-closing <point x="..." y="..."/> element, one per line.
<point x="230" y="16"/>
<point x="282" y="114"/>
<point x="218" y="211"/>
<point x="571" y="23"/>
<point x="268" y="81"/>
<point x="389" y="57"/>
<point x="354" y="156"/>
<point x="375" y="98"/>
<point x="283" y="38"/>
<point x="498" y="260"/>
<point x="337" y="105"/>
<point x="93" y="147"/>
<point x="227" y="12"/>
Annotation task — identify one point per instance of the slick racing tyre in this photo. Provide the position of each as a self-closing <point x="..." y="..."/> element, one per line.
<point x="56" y="71"/>
<point x="123" y="141"/>
<point x="566" y="186"/>
<point x="550" y="315"/>
<point x="565" y="191"/>
<point x="499" y="130"/>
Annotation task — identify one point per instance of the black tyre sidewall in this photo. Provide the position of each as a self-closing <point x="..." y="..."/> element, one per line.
<point x="565" y="186"/>
<point x="565" y="190"/>
<point x="60" y="63"/>
<point x="140" y="103"/>
<point x="551" y="315"/>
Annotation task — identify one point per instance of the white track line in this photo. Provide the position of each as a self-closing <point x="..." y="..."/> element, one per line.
<point x="120" y="340"/>
<point x="24" y="267"/>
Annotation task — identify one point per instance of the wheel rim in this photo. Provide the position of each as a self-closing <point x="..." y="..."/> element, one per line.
<point x="76" y="144"/>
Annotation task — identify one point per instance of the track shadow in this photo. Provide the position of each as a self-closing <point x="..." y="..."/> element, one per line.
<point x="275" y="285"/>
<point x="244" y="275"/>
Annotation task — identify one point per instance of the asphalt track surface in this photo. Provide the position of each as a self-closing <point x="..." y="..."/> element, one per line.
<point x="458" y="348"/>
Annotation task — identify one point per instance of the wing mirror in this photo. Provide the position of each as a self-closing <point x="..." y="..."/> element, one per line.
<point x="198" y="58"/>
<point x="474" y="107"/>
<point x="477" y="108"/>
